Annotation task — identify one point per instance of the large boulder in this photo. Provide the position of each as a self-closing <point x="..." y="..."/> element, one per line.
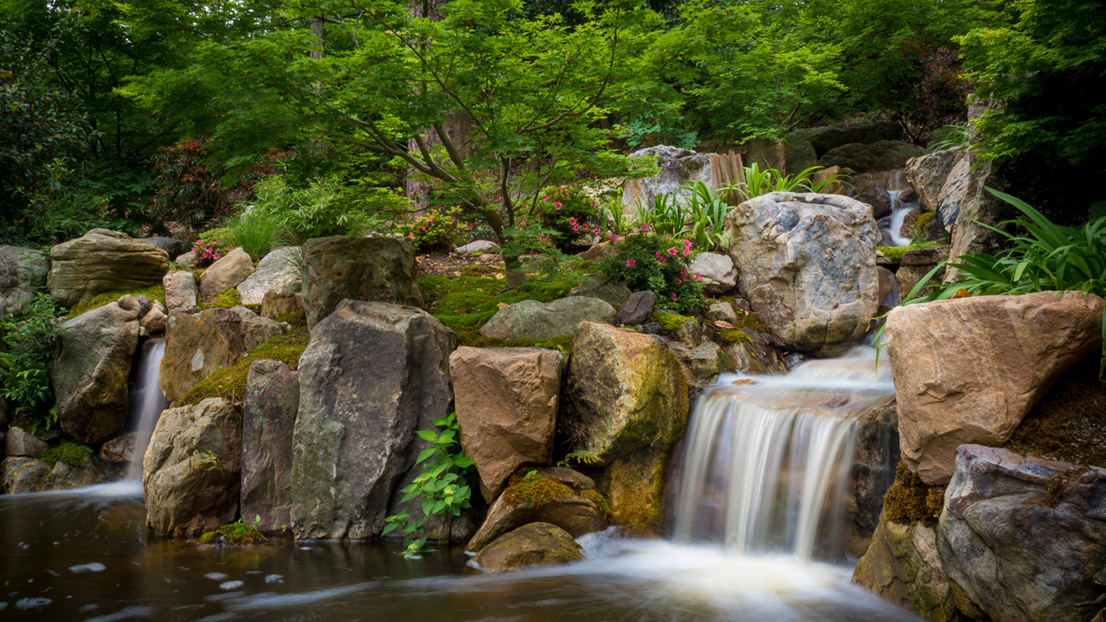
<point x="676" y="168"/>
<point x="172" y="246"/>
<point x="373" y="374"/>
<point x="20" y="443"/>
<point x="21" y="474"/>
<point x="227" y="272"/>
<point x="825" y="138"/>
<point x="506" y="402"/>
<point x="198" y="345"/>
<point x="536" y="544"/>
<point x="1024" y="538"/>
<point x="374" y="269"/>
<point x="192" y="469"/>
<point x="885" y="155"/>
<point x="92" y="369"/>
<point x="181" y="292"/>
<point x="102" y="261"/>
<point x="968" y="370"/>
<point x="268" y="420"/>
<point x="614" y="293"/>
<point x="531" y="319"/>
<point x="22" y="271"/>
<point x="626" y="402"/>
<point x="717" y="271"/>
<point x="280" y="268"/>
<point x="928" y="173"/>
<point x="808" y="267"/>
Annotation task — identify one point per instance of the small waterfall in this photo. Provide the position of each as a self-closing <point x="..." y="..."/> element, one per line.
<point x="146" y="402"/>
<point x="899" y="211"/>
<point x="766" y="468"/>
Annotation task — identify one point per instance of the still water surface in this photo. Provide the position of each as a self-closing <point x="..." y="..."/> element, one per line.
<point x="86" y="555"/>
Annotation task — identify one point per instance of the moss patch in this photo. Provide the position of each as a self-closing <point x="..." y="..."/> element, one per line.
<point x="226" y="299"/>
<point x="233" y="534"/>
<point x="465" y="303"/>
<point x="72" y="455"/>
<point x="910" y="501"/>
<point x="534" y="490"/>
<point x="230" y="383"/>
<point x="296" y="318"/>
<point x="895" y="253"/>
<point x="152" y="293"/>
<point x="670" y="322"/>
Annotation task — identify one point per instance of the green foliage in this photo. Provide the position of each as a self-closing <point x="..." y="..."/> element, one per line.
<point x="657" y="263"/>
<point x="666" y="217"/>
<point x="25" y="363"/>
<point x="707" y="210"/>
<point x="570" y="213"/>
<point x="72" y="455"/>
<point x="443" y="486"/>
<point x="1046" y="258"/>
<point x="614" y="215"/>
<point x="759" y="182"/>
<point x="253" y="231"/>
<point x="437" y="230"/>
<point x="226" y="299"/>
<point x="895" y="253"/>
<point x="234" y="534"/>
<point x="580" y="456"/>
<point x="211" y="246"/>
<point x="322" y="208"/>
<point x="951" y="137"/>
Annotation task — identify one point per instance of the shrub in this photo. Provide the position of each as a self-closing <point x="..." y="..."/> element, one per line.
<point x="25" y="368"/>
<point x="253" y="231"/>
<point x="569" y="213"/>
<point x="322" y="208"/>
<point x="657" y="263"/>
<point x="436" y="230"/>
<point x="210" y="246"/>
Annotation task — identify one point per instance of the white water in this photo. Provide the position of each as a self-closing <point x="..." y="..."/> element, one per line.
<point x="146" y="403"/>
<point x="767" y="457"/>
<point x="899" y="211"/>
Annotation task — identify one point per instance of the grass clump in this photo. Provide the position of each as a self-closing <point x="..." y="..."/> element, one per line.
<point x="233" y="534"/>
<point x="152" y="293"/>
<point x="230" y="383"/>
<point x="910" y="501"/>
<point x="72" y="455"/>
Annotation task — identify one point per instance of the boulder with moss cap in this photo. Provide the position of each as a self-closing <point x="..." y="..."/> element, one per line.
<point x="102" y="261"/>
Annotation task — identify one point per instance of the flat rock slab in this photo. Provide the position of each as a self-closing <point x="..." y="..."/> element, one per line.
<point x="101" y="261"/>
<point x="227" y="272"/>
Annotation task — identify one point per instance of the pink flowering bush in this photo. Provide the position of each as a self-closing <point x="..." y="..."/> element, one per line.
<point x="569" y="213"/>
<point x="437" y="230"/>
<point x="211" y="246"/>
<point x="656" y="263"/>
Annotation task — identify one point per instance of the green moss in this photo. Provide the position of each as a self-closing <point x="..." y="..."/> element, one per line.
<point x="465" y="303"/>
<point x="533" y="491"/>
<point x="226" y="299"/>
<point x="152" y="293"/>
<point x="230" y="383"/>
<point x="895" y="253"/>
<point x="233" y="534"/>
<point x="1067" y="425"/>
<point x="910" y="501"/>
<point x="922" y="221"/>
<point x="670" y="322"/>
<point x="72" y="455"/>
<point x="296" y="318"/>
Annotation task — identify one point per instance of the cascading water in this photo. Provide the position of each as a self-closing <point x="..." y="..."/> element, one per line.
<point x="894" y="222"/>
<point x="766" y="468"/>
<point x="146" y="403"/>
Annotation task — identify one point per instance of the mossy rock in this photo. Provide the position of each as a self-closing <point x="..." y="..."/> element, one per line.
<point x="152" y="293"/>
<point x="535" y="544"/>
<point x="226" y="299"/>
<point x="910" y="501"/>
<point x="230" y="383"/>
<point x="72" y="455"/>
<point x="233" y="534"/>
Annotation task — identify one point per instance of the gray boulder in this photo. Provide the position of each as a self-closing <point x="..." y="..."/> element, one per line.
<point x="373" y="374"/>
<point x="638" y="308"/>
<point x="536" y="544"/>
<point x="19" y="443"/>
<point x="268" y="420"/>
<point x="102" y="261"/>
<point x="280" y="268"/>
<point x="825" y="138"/>
<point x="181" y="292"/>
<point x="531" y="319"/>
<point x="928" y="173"/>
<point x="479" y="246"/>
<point x="191" y="470"/>
<point x="22" y="270"/>
<point x="808" y="267"/>
<point x="227" y="272"/>
<point x="374" y="269"/>
<point x="21" y="475"/>
<point x="884" y="155"/>
<point x="677" y="167"/>
<point x="717" y="271"/>
<point x="599" y="286"/>
<point x="92" y="369"/>
<point x="172" y="246"/>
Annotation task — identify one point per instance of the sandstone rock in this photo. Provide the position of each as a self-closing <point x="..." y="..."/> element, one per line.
<point x="531" y="319"/>
<point x="373" y="374"/>
<point x="479" y="246"/>
<point x="626" y="401"/>
<point x="915" y="264"/>
<point x="280" y="303"/>
<point x="928" y="173"/>
<point x="192" y="468"/>
<point x="156" y="319"/>
<point x="1024" y="537"/>
<point x="181" y="292"/>
<point x="884" y="155"/>
<point x="187" y="260"/>
<point x="558" y="496"/>
<point x="92" y="369"/>
<point x="830" y="179"/>
<point x="21" y="475"/>
<point x="638" y="308"/>
<point x="599" y="252"/>
<point x="718" y="272"/>
<point x="280" y="268"/>
<point x="808" y="267"/>
<point x="227" y="272"/>
<point x="677" y="167"/>
<point x="536" y="544"/>
<point x="890" y="292"/>
<point x="101" y="261"/>
<point x="20" y="443"/>
<point x="968" y="370"/>
<point x="198" y="345"/>
<point x="825" y="138"/>
<point x="22" y="270"/>
<point x="702" y="362"/>
<point x="506" y="402"/>
<point x="172" y="246"/>
<point x="119" y="450"/>
<point x="598" y="286"/>
<point x="376" y="269"/>
<point x="268" y="420"/>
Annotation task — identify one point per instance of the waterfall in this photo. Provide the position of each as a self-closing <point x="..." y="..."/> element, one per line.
<point x="893" y="223"/>
<point x="146" y="403"/>
<point x="768" y="457"/>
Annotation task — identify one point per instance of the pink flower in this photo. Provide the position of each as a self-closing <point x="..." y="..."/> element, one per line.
<point x="557" y="204"/>
<point x="216" y="256"/>
<point x="697" y="277"/>
<point x="683" y="272"/>
<point x="411" y="235"/>
<point x="673" y="296"/>
<point x="572" y="220"/>
<point x="630" y="263"/>
<point x="657" y="254"/>
<point x="645" y="228"/>
<point x="575" y="227"/>
<point x="679" y="281"/>
<point x="672" y="251"/>
<point x="662" y="260"/>
<point x="595" y="231"/>
<point x="545" y="198"/>
<point x="423" y="229"/>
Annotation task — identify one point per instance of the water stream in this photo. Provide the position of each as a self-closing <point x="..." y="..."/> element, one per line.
<point x="892" y="225"/>
<point x="146" y="402"/>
